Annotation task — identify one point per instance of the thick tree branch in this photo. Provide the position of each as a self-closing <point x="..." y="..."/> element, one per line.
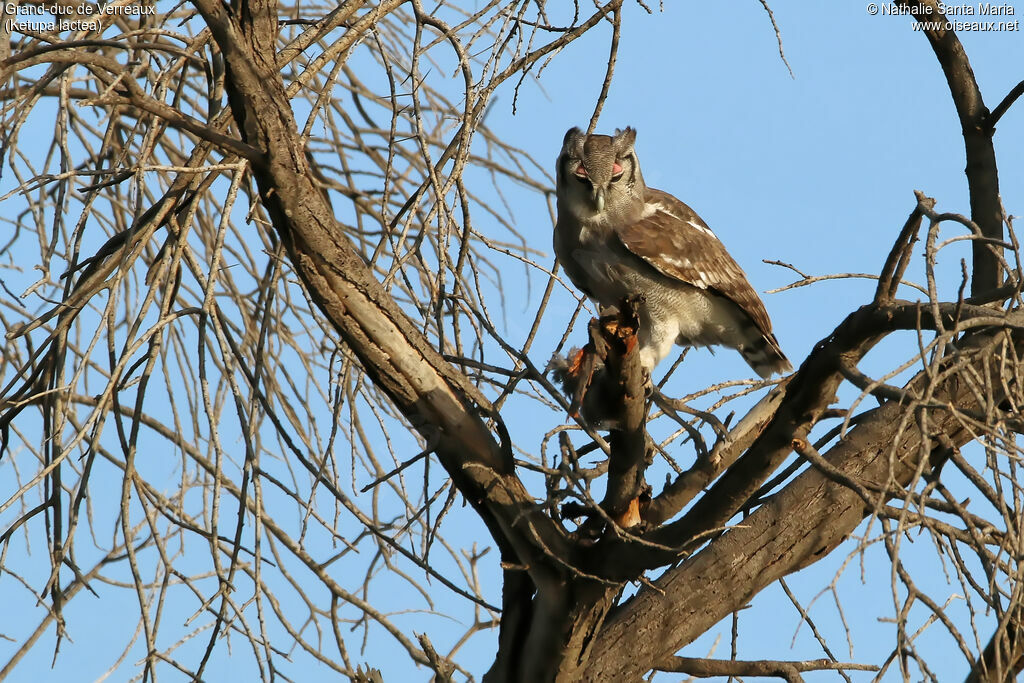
<point x="438" y="401"/>
<point x="810" y="391"/>
<point x="705" y="668"/>
<point x="804" y="522"/>
<point x="808" y="394"/>
<point x="628" y="440"/>
<point x="687" y="485"/>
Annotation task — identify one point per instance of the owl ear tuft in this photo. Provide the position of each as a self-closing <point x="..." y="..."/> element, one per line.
<point x="624" y="140"/>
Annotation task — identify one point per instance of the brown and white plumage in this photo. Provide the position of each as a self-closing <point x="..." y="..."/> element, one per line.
<point x="617" y="239"/>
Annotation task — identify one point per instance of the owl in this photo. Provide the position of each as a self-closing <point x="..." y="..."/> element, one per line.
<point x="618" y="239"/>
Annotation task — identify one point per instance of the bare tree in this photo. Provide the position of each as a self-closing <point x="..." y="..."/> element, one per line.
<point x="265" y="313"/>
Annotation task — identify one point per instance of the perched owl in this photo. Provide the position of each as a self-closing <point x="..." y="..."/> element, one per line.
<point x="616" y="238"/>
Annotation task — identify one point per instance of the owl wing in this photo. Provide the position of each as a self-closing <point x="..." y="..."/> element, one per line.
<point x="673" y="239"/>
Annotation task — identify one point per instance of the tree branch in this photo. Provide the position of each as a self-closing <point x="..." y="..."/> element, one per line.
<point x="992" y="119"/>
<point x="809" y="393"/>
<point x="705" y="668"/>
<point x="437" y="400"/>
<point x="675" y="496"/>
<point x="801" y="524"/>
<point x="982" y="173"/>
<point x="628" y="440"/>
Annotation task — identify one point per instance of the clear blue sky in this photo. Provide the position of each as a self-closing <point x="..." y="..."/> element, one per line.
<point x="817" y="170"/>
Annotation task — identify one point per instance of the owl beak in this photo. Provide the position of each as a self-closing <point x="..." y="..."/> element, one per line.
<point x="599" y="199"/>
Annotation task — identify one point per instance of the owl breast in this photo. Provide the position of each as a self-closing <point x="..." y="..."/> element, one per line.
<point x="671" y="312"/>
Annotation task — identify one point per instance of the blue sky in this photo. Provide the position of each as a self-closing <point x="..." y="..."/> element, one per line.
<point x="817" y="169"/>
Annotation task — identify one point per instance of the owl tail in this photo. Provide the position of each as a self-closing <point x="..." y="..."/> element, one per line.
<point x="765" y="357"/>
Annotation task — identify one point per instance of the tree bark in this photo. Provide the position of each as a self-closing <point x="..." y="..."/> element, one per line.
<point x="439" y="402"/>
<point x="807" y="520"/>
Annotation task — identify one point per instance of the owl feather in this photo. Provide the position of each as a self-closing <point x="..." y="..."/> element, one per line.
<point x="618" y="239"/>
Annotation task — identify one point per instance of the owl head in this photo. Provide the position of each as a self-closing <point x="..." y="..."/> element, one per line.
<point x="599" y="176"/>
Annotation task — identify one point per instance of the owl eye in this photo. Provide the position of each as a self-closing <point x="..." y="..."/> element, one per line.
<point x="582" y="176"/>
<point x="616" y="172"/>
